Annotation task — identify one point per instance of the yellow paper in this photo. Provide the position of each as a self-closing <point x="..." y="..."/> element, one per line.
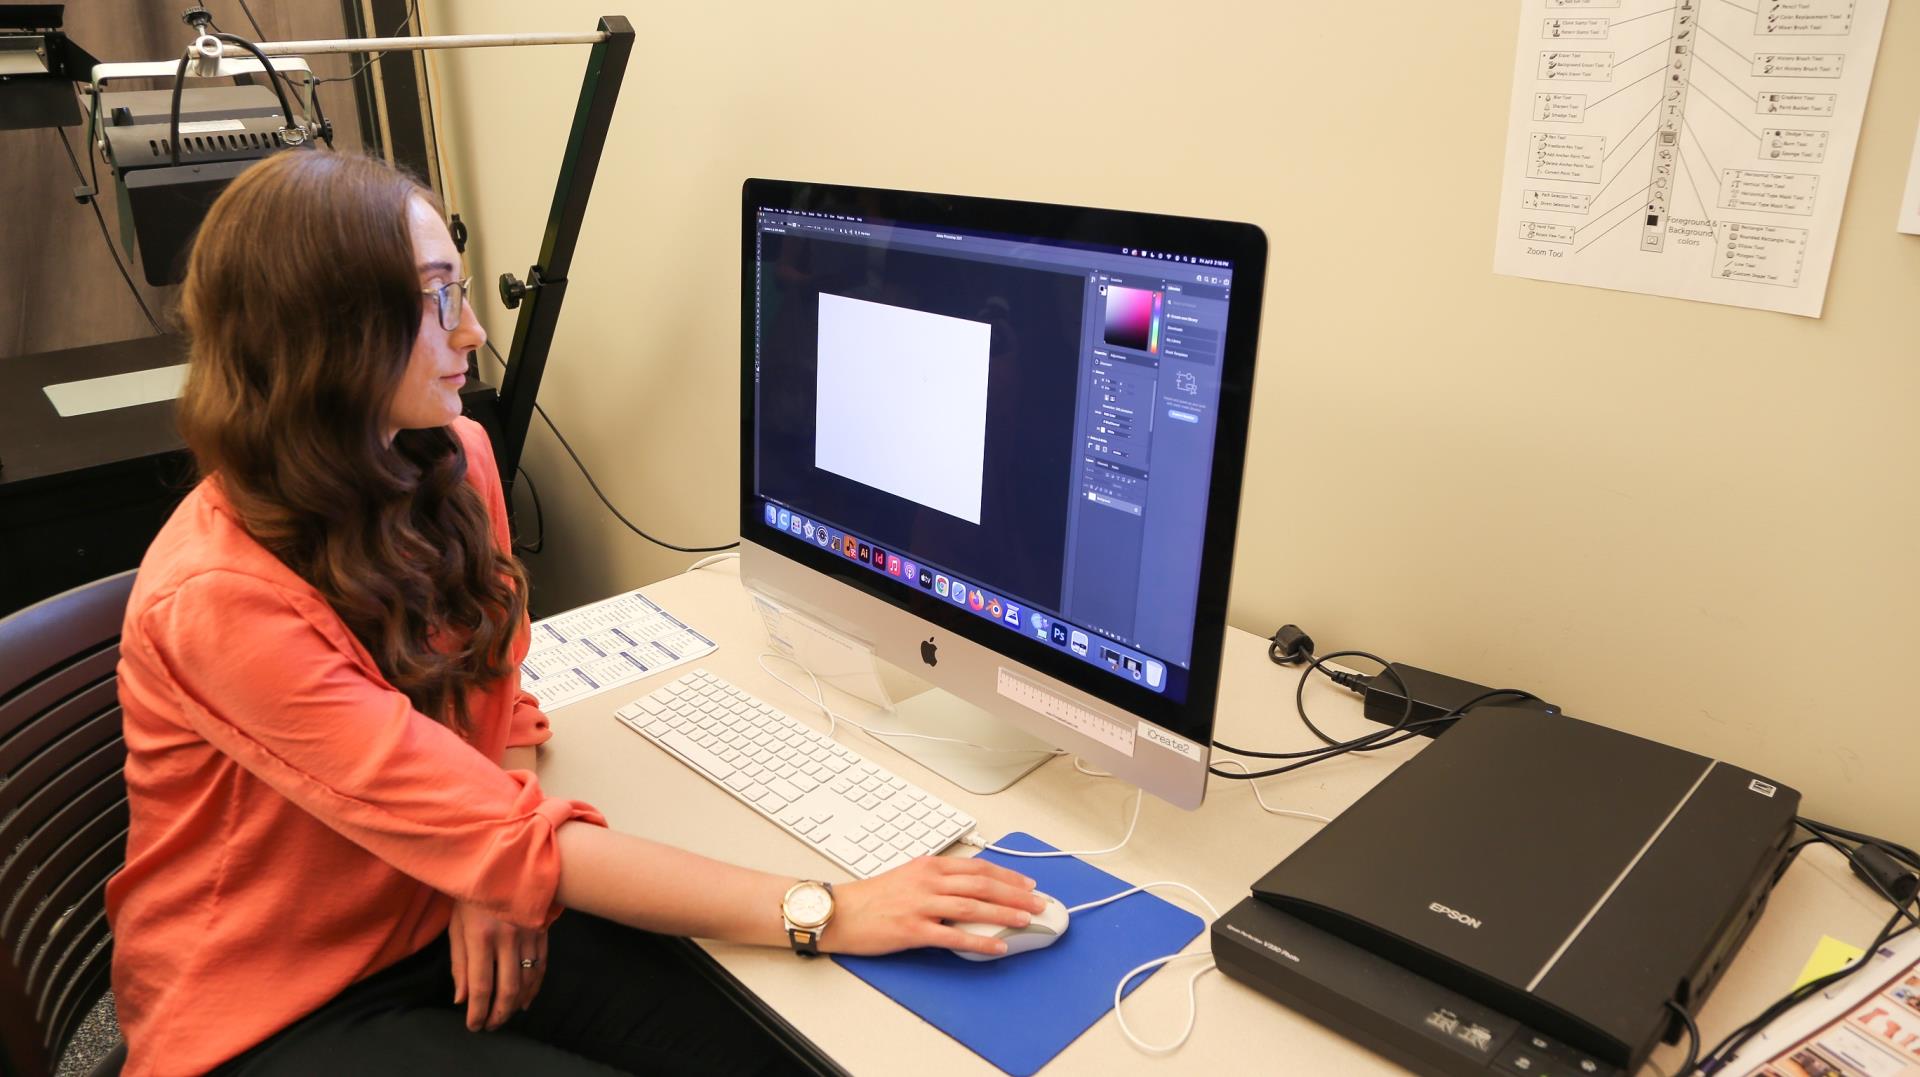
<point x="1831" y="955"/>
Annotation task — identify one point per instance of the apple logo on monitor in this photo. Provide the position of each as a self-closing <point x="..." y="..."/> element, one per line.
<point x="928" y="652"/>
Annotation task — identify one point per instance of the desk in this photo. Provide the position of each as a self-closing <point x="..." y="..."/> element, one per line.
<point x="81" y="496"/>
<point x="1219" y="849"/>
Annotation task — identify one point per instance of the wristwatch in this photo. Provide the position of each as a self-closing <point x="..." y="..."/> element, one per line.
<point x="804" y="911"/>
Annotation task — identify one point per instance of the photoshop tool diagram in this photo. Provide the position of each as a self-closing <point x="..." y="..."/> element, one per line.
<point x="1698" y="149"/>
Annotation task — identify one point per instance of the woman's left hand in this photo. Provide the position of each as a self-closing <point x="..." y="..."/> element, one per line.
<point x="490" y="970"/>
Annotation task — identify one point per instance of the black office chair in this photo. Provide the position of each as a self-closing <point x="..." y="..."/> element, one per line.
<point x="63" y="818"/>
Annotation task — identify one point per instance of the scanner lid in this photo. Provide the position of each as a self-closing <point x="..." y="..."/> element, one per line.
<point x="1487" y="852"/>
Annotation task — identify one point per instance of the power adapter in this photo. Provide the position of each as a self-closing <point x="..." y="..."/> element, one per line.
<point x="1434" y="695"/>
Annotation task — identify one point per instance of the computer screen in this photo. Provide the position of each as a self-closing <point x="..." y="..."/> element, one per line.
<point x="1021" y="423"/>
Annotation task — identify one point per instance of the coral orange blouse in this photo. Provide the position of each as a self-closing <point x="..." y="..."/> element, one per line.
<point x="296" y="824"/>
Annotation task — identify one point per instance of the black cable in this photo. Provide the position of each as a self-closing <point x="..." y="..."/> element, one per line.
<point x="1361" y="744"/>
<point x="1374" y="741"/>
<point x="93" y="200"/>
<point x="1729" y="1047"/>
<point x="1288" y="645"/>
<point x="631" y="526"/>
<point x="173" y="122"/>
<point x="255" y="23"/>
<point x="313" y="83"/>
<point x="180" y="84"/>
<point x="1693" y="1037"/>
<point x="539" y="517"/>
<point x="1317" y="663"/>
<point x="413" y="10"/>
<point x="93" y="133"/>
<point x="1793" y="851"/>
<point x="1852" y="856"/>
<point x="1299" y="702"/>
<point x="313" y="95"/>
<point x="1894" y="849"/>
<point x="1519" y="696"/>
<point x="584" y="473"/>
<point x="266" y="64"/>
<point x="1301" y="648"/>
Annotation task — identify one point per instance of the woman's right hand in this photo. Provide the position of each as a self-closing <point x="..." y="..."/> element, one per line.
<point x="497" y="967"/>
<point x="905" y="907"/>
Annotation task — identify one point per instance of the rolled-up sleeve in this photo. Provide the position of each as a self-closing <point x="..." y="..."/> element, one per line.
<point x="280" y="687"/>
<point x="529" y="726"/>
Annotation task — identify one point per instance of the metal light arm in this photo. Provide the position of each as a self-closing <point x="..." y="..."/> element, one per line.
<point x="421" y="44"/>
<point x="539" y="312"/>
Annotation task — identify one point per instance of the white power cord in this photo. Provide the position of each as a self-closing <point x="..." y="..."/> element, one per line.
<point x="1270" y="809"/>
<point x="730" y="555"/>
<point x="1193" y="1005"/>
<point x="1139" y="797"/>
<point x="819" y="699"/>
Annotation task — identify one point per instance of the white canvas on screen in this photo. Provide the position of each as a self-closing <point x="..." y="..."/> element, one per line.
<point x="902" y="402"/>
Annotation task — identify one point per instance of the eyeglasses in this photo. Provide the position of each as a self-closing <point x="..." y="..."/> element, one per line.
<point x="452" y="297"/>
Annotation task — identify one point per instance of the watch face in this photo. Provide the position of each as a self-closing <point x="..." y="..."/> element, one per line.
<point x="809" y="905"/>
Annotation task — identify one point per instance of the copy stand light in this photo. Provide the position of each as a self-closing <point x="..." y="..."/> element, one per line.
<point x="171" y="152"/>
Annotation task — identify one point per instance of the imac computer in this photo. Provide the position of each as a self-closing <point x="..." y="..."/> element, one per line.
<point x="1000" y="444"/>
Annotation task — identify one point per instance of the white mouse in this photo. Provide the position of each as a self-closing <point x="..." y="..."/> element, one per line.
<point x="1044" y="930"/>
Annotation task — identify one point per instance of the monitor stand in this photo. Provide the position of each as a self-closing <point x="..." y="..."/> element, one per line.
<point x="1005" y="754"/>
<point x="846" y="666"/>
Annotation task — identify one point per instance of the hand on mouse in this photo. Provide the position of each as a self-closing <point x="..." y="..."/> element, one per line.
<point x="905" y="907"/>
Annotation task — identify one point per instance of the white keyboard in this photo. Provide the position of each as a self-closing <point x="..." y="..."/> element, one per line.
<point x="860" y="815"/>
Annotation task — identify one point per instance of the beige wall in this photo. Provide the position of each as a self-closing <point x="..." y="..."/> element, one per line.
<point x="1693" y="522"/>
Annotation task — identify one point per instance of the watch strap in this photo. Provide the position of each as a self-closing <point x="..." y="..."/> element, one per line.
<point x="804" y="940"/>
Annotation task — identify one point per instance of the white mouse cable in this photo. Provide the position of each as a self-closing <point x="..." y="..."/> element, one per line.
<point x="1193" y="1005"/>
<point x="819" y="699"/>
<point x="1270" y="809"/>
<point x="1081" y="766"/>
<point x="1139" y="797"/>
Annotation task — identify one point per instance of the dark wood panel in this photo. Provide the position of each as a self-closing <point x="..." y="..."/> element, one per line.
<point x="58" y="286"/>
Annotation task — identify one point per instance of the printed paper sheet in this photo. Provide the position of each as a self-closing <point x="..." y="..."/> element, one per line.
<point x="1698" y="149"/>
<point x="588" y="650"/>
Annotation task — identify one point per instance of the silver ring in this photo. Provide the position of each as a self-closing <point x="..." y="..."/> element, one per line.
<point x="528" y="962"/>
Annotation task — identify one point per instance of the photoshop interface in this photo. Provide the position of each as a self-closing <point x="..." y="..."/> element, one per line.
<point x="1024" y="427"/>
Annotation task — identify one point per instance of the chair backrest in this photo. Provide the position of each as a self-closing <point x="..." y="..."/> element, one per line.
<point x="63" y="815"/>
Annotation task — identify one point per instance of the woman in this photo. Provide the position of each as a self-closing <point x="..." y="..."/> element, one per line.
<point x="339" y="859"/>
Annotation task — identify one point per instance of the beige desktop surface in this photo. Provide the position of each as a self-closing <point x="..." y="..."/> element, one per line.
<point x="1219" y="849"/>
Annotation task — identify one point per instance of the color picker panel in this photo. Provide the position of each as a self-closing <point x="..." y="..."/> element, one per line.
<point x="1133" y="318"/>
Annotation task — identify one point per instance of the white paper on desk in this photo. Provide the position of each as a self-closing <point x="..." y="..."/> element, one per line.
<point x="1867" y="1025"/>
<point x="603" y="645"/>
<point x="1697" y="149"/>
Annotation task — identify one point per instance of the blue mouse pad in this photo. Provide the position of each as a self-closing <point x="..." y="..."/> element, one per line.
<point x="1019" y="1011"/>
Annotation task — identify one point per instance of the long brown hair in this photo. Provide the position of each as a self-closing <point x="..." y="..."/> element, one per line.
<point x="302" y="301"/>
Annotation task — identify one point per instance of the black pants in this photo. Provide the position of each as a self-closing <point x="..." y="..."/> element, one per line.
<point x="615" y="1000"/>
